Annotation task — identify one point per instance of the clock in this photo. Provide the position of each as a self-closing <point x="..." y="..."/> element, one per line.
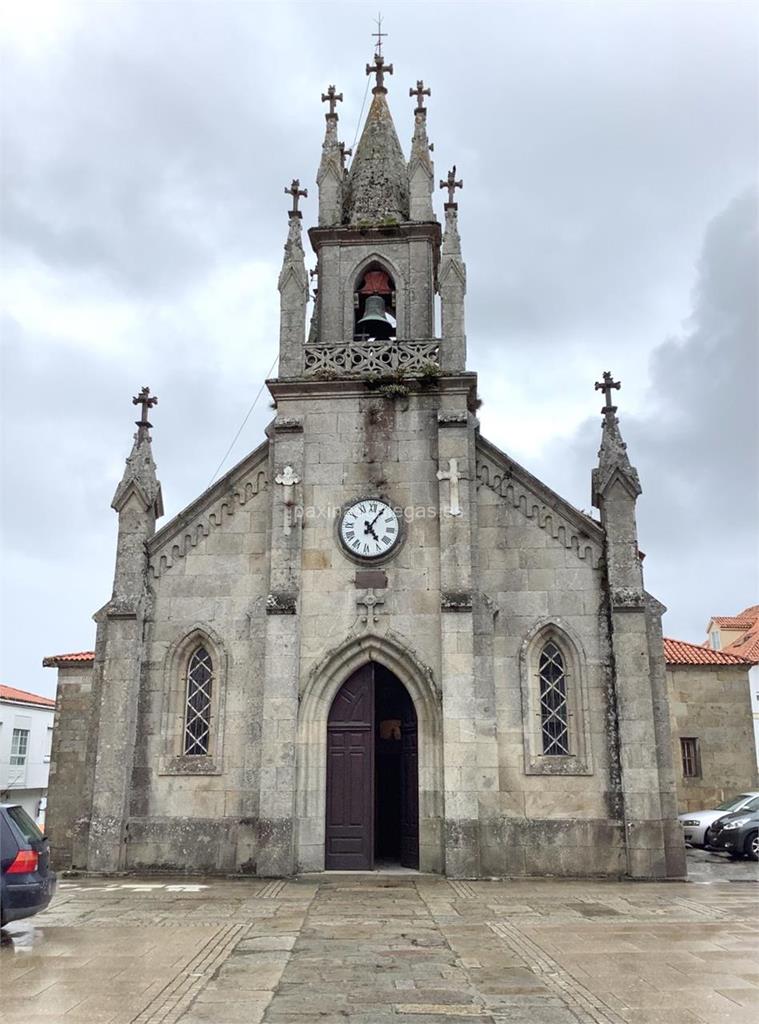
<point x="369" y="529"/>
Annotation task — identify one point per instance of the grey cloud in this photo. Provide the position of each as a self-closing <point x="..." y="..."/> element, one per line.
<point x="697" y="446"/>
<point x="146" y="153"/>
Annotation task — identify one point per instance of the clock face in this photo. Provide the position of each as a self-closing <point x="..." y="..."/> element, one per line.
<point x="369" y="528"/>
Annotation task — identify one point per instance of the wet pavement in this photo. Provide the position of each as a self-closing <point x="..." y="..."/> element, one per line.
<point x="382" y="948"/>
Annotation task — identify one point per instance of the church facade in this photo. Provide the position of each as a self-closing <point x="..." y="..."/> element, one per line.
<point x="378" y="639"/>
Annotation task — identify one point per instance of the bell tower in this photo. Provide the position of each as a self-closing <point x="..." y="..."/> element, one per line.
<point x="382" y="257"/>
<point x="375" y="406"/>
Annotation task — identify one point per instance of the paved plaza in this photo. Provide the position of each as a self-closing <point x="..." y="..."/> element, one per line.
<point x="401" y="948"/>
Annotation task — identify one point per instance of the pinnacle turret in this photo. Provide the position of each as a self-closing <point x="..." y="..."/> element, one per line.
<point x="613" y="460"/>
<point x="140" y="479"/>
<point x="331" y="173"/>
<point x="452" y="283"/>
<point x="421" y="172"/>
<point x="139" y="503"/>
<point x="293" y="292"/>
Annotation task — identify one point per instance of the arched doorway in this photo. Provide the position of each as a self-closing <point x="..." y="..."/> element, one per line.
<point x="372" y="812"/>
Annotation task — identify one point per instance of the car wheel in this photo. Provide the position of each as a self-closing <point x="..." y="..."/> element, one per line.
<point x="752" y="846"/>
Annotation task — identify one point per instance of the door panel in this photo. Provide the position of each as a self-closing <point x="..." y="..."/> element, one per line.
<point x="409" y="795"/>
<point x="350" y="775"/>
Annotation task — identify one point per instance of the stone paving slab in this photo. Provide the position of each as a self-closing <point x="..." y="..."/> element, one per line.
<point x="369" y="949"/>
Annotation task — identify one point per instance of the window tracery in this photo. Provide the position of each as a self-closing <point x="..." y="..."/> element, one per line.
<point x="197" y="730"/>
<point x="554" y="709"/>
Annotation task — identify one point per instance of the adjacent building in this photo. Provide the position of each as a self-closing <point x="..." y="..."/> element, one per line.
<point x="739" y="634"/>
<point x="712" y="724"/>
<point x="378" y="638"/>
<point x="26" y="736"/>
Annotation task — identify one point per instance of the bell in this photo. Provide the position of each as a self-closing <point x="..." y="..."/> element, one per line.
<point x="374" y="322"/>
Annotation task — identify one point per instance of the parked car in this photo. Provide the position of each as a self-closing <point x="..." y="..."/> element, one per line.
<point x="738" y="833"/>
<point x="697" y="824"/>
<point x="26" y="882"/>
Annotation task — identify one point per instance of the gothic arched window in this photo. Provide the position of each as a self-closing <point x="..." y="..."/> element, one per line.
<point x="197" y="728"/>
<point x="554" y="709"/>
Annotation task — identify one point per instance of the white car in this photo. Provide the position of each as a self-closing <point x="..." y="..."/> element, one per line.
<point x="696" y="823"/>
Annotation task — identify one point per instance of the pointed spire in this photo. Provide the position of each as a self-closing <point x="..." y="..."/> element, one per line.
<point x="377" y="189"/>
<point x="452" y="285"/>
<point x="421" y="173"/>
<point x="140" y="479"/>
<point x="293" y="293"/>
<point x="613" y="460"/>
<point x="331" y="174"/>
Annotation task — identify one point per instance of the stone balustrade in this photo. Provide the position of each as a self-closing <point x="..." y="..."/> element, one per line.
<point x="360" y="357"/>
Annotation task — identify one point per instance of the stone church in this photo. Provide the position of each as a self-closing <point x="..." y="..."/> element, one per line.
<point x="378" y="639"/>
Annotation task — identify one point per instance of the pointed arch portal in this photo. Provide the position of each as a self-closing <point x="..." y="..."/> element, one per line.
<point x="394" y="680"/>
<point x="372" y="813"/>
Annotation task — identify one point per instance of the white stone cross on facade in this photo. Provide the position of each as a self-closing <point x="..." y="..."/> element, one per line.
<point x="452" y="476"/>
<point x="288" y="480"/>
<point x="370" y="600"/>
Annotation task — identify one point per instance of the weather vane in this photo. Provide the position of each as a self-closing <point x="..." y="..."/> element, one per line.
<point x="379" y="34"/>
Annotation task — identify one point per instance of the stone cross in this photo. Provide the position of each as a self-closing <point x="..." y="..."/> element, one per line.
<point x="332" y="97"/>
<point x="379" y="68"/>
<point x="296" y="192"/>
<point x="288" y="480"/>
<point x="147" y="401"/>
<point x="370" y="600"/>
<point x="607" y="386"/>
<point x="420" y="92"/>
<point x="451" y="184"/>
<point x="343" y="153"/>
<point x="452" y="476"/>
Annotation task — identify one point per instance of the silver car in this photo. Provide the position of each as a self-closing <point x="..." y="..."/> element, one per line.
<point x="696" y="823"/>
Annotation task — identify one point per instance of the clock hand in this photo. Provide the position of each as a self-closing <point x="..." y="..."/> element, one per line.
<point x="371" y="525"/>
<point x="369" y="528"/>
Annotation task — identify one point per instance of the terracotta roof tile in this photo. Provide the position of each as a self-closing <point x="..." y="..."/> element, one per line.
<point x="733" y="621"/>
<point x="747" y="646"/>
<point x="54" y="660"/>
<point x="11" y="693"/>
<point x="678" y="652"/>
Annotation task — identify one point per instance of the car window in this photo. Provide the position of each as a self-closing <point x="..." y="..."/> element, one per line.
<point x="752" y="805"/>
<point x="29" y="830"/>
<point x="729" y="805"/>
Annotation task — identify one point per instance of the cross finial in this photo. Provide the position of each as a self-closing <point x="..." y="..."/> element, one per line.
<point x="332" y="97"/>
<point x="380" y="35"/>
<point x="147" y="401"/>
<point x="607" y="385"/>
<point x="379" y="68"/>
<point x="451" y="184"/>
<point x="296" y="192"/>
<point x="343" y="153"/>
<point x="420" y="92"/>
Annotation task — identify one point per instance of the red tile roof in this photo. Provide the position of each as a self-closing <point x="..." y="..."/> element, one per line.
<point x="746" y="645"/>
<point x="56" y="660"/>
<point x="732" y="621"/>
<point x="678" y="652"/>
<point x="11" y="693"/>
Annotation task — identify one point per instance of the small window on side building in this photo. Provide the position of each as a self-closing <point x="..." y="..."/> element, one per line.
<point x="691" y="757"/>
<point x="715" y="639"/>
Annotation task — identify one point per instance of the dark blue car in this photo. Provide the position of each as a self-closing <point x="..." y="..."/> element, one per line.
<point x="738" y="833"/>
<point x="26" y="882"/>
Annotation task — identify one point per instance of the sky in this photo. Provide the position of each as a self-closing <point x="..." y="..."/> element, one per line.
<point x="608" y="218"/>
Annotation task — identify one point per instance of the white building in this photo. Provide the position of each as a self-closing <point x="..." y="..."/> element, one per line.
<point x="26" y="736"/>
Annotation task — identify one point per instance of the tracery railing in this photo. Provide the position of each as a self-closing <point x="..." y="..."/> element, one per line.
<point x="372" y="357"/>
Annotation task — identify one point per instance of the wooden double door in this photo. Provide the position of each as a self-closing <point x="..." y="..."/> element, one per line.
<point x="372" y="774"/>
